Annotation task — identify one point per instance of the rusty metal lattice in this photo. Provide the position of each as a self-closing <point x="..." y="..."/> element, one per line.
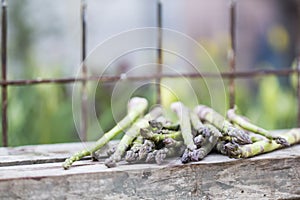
<point x="231" y="75"/>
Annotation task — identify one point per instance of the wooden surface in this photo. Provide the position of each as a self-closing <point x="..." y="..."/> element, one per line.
<point x="274" y="175"/>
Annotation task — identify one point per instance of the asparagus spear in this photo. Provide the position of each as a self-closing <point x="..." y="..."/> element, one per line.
<point x="131" y="134"/>
<point x="148" y="134"/>
<point x="226" y="148"/>
<point x="136" y="108"/>
<point x="263" y="146"/>
<point x="199" y="127"/>
<point x="200" y="153"/>
<point x="185" y="124"/>
<point x="162" y="123"/>
<point x="239" y="120"/>
<point x="208" y="114"/>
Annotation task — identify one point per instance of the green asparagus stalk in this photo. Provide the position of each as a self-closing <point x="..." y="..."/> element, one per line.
<point x="148" y="134"/>
<point x="226" y="148"/>
<point x="255" y="137"/>
<point x="136" y="108"/>
<point x="198" y="126"/>
<point x="162" y="123"/>
<point x="200" y="153"/>
<point x="239" y="120"/>
<point x="131" y="134"/>
<point x="208" y="114"/>
<point x="185" y="124"/>
<point x="263" y="146"/>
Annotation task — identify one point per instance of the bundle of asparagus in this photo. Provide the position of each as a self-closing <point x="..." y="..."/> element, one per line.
<point x="153" y="138"/>
<point x="136" y="107"/>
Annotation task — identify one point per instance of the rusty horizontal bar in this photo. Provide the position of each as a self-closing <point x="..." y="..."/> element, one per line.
<point x="226" y="75"/>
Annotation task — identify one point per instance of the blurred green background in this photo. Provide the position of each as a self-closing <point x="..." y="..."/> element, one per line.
<point x="44" y="41"/>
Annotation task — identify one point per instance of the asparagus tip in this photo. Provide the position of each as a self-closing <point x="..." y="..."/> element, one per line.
<point x="185" y="158"/>
<point x="195" y="155"/>
<point x="131" y="156"/>
<point x="161" y="155"/>
<point x="151" y="156"/>
<point x="67" y="164"/>
<point x="110" y="163"/>
<point x="145" y="133"/>
<point x="198" y="140"/>
<point x="205" y="131"/>
<point x="282" y="141"/>
<point x="133" y="102"/>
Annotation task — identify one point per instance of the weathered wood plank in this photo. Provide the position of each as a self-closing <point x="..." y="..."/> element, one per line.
<point x="46" y="153"/>
<point x="271" y="176"/>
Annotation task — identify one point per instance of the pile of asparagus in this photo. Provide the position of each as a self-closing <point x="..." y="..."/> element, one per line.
<point x="152" y="137"/>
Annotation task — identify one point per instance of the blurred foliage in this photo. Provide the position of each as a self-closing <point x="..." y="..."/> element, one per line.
<point x="271" y="107"/>
<point x="40" y="114"/>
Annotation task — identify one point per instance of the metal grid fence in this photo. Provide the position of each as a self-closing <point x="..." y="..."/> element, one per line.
<point x="231" y="75"/>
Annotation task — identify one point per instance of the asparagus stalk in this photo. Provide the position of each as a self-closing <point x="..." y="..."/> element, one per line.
<point x="208" y="114"/>
<point x="239" y="120"/>
<point x="185" y="124"/>
<point x="226" y="148"/>
<point x="147" y="134"/>
<point x="131" y="134"/>
<point x="136" y="108"/>
<point x="198" y="126"/>
<point x="162" y="123"/>
<point x="263" y="146"/>
<point x="200" y="153"/>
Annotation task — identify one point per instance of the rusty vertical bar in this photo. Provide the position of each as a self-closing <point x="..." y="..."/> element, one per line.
<point x="298" y="64"/>
<point x="298" y="89"/>
<point x="159" y="52"/>
<point x="4" y="65"/>
<point x="84" y="116"/>
<point x="231" y="53"/>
